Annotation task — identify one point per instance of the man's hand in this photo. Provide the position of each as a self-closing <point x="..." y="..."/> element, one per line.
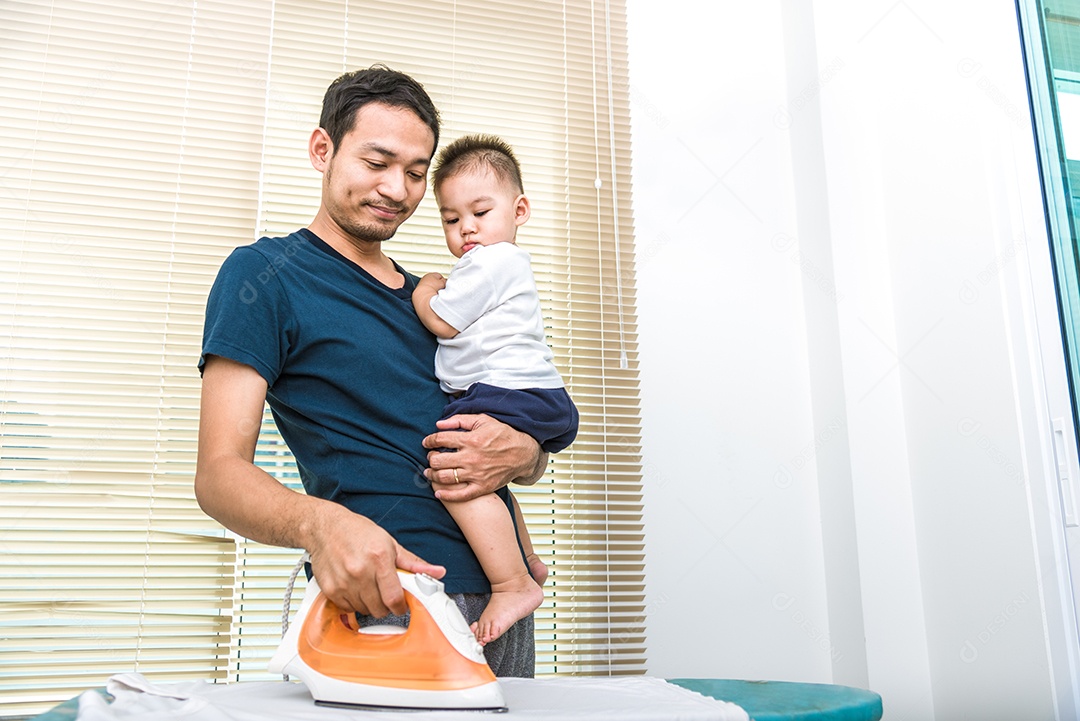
<point x="355" y="562"/>
<point x="486" y="455"/>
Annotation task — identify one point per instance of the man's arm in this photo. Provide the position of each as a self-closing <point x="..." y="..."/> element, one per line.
<point x="353" y="559"/>
<point x="487" y="457"/>
<point x="426" y="289"/>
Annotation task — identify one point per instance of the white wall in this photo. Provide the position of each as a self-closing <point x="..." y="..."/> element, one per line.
<point x="841" y="250"/>
<point x="734" y="535"/>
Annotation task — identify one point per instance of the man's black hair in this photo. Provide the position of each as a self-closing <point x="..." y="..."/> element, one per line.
<point x="377" y="84"/>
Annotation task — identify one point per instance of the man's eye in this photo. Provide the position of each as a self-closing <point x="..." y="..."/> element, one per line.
<point x="376" y="165"/>
<point x="416" y="176"/>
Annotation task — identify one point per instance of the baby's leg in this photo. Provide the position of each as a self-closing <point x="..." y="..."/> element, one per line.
<point x="536" y="566"/>
<point x="489" y="530"/>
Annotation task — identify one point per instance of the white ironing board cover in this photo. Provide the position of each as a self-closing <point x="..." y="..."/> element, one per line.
<point x="621" y="698"/>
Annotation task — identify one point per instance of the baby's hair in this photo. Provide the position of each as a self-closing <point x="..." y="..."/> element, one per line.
<point x="473" y="152"/>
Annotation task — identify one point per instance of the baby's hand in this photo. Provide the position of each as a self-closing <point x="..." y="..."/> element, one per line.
<point x="434" y="281"/>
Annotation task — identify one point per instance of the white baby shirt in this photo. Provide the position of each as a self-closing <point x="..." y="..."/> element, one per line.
<point x="491" y="299"/>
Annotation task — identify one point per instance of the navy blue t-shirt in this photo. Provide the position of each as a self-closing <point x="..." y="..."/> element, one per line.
<point x="351" y="382"/>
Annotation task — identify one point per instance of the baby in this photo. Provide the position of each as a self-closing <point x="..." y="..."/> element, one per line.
<point x="493" y="356"/>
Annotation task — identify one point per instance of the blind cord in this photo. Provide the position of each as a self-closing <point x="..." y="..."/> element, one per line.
<point x="598" y="185"/>
<point x="624" y="362"/>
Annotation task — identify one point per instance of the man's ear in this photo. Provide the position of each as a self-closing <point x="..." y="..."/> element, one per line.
<point x="320" y="149"/>
<point x="522" y="211"/>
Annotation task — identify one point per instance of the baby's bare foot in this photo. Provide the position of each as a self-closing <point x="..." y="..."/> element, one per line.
<point x="510" y="602"/>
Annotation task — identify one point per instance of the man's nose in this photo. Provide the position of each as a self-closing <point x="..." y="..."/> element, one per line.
<point x="393" y="186"/>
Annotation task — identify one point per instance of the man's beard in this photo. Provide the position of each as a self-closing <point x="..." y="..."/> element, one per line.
<point x="368" y="232"/>
<point x="372" y="231"/>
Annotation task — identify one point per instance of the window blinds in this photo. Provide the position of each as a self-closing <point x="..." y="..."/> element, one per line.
<point x="141" y="142"/>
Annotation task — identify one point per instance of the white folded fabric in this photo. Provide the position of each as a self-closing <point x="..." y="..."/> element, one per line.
<point x="574" y="698"/>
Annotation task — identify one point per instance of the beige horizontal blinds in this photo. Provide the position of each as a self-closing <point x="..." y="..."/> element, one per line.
<point x="596" y="526"/>
<point x="141" y="142"/>
<point x="128" y="170"/>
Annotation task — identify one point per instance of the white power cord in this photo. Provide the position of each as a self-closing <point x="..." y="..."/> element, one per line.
<point x="288" y="598"/>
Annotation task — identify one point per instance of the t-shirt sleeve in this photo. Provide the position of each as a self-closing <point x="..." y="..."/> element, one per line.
<point x="247" y="318"/>
<point x="477" y="284"/>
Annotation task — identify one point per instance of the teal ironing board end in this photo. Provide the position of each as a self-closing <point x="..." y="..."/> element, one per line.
<point x="788" y="701"/>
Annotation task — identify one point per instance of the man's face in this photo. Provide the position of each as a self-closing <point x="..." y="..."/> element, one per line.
<point x="378" y="173"/>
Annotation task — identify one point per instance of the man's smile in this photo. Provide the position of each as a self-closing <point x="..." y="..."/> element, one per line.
<point x="386" y="212"/>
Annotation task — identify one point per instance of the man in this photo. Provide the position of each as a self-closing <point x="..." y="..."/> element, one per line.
<point x="320" y="325"/>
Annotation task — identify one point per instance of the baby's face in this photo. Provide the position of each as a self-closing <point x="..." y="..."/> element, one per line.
<point x="479" y="208"/>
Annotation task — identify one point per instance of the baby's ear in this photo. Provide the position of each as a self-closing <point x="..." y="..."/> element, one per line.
<point x="522" y="211"/>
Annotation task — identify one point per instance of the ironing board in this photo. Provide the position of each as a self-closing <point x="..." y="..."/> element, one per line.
<point x="786" y="701"/>
<point x="133" y="697"/>
<point x="762" y="700"/>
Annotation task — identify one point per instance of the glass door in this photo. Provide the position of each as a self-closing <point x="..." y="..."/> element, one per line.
<point x="1051" y="36"/>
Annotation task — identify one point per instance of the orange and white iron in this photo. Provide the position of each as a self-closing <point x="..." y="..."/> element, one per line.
<point x="435" y="663"/>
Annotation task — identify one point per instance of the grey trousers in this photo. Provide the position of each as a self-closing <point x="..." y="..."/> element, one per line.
<point x="512" y="654"/>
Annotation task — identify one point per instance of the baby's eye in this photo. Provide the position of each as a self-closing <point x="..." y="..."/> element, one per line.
<point x="481" y="213"/>
<point x="449" y="221"/>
